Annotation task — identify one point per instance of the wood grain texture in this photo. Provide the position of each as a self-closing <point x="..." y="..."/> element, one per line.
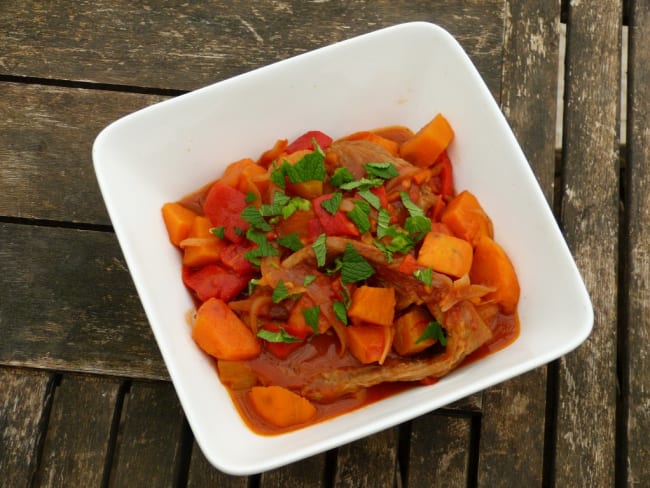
<point x="369" y="462"/>
<point x="46" y="170"/>
<point x="149" y="439"/>
<point x="23" y="415"/>
<point x="587" y="389"/>
<point x="202" y="474"/>
<point x="637" y="248"/>
<point x="305" y="473"/>
<point x="184" y="45"/>
<point x="78" y="435"/>
<point x="513" y="421"/>
<point x="439" y="451"/>
<point x="68" y="303"/>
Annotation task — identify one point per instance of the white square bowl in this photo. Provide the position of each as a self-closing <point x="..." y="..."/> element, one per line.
<point x="165" y="151"/>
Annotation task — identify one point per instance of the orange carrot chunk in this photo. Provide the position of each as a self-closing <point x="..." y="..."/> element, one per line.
<point x="219" y="332"/>
<point x="367" y="342"/>
<point x="373" y="304"/>
<point x="408" y="330"/>
<point x="281" y="407"/>
<point x="492" y="267"/>
<point x="178" y="220"/>
<point x="446" y="254"/>
<point x="201" y="246"/>
<point x="428" y="143"/>
<point x="466" y="218"/>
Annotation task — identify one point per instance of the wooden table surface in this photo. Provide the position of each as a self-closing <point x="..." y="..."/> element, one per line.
<point x="85" y="398"/>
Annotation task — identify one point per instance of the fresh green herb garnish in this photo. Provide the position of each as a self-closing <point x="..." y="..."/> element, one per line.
<point x="252" y="284"/>
<point x="417" y="227"/>
<point x="341" y="176"/>
<point x="279" y="336"/>
<point x="413" y="209"/>
<point x="371" y="198"/>
<point x="264" y="247"/>
<point x="290" y="241"/>
<point x="309" y="279"/>
<point x="295" y="204"/>
<point x="253" y="216"/>
<point x="311" y="167"/>
<point x="311" y="317"/>
<point x="280" y="199"/>
<point x="340" y="311"/>
<point x="355" y="267"/>
<point x="320" y="250"/>
<point x="433" y="331"/>
<point x="383" y="223"/>
<point x="280" y="292"/>
<point x="332" y="204"/>
<point x="360" y="215"/>
<point x="335" y="267"/>
<point x="385" y="170"/>
<point x="362" y="184"/>
<point x="220" y="232"/>
<point x="424" y="275"/>
<point x="250" y="197"/>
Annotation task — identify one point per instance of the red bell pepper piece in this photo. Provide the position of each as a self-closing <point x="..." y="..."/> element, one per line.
<point x="305" y="141"/>
<point x="446" y="175"/>
<point x="213" y="281"/>
<point x="337" y="224"/>
<point x="223" y="206"/>
<point x="232" y="256"/>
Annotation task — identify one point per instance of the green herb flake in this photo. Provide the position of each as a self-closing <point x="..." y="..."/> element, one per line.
<point x="424" y="275"/>
<point x="280" y="336"/>
<point x="264" y="247"/>
<point x="362" y="184"/>
<point x="320" y="250"/>
<point x="355" y="267"/>
<point x="311" y="317"/>
<point x="433" y="331"/>
<point x="332" y="203"/>
<point x="220" y="232"/>
<point x="309" y="279"/>
<point x="371" y="198"/>
<point x="413" y="209"/>
<point x="280" y="292"/>
<point x="252" y="284"/>
<point x="253" y="216"/>
<point x="341" y="176"/>
<point x="279" y="173"/>
<point x="293" y="205"/>
<point x="340" y="311"/>
<point x="275" y="208"/>
<point x="383" y="223"/>
<point x="360" y="215"/>
<point x="308" y="168"/>
<point x="250" y="197"/>
<point x="290" y="241"/>
<point x="417" y="227"/>
<point x="385" y="170"/>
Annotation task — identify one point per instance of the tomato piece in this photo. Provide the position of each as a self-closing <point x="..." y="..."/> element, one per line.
<point x="305" y="141"/>
<point x="213" y="281"/>
<point x="337" y="224"/>
<point x="446" y="175"/>
<point x="232" y="256"/>
<point x="282" y="349"/>
<point x="223" y="206"/>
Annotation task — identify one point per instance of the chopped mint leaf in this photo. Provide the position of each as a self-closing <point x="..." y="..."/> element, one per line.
<point x="279" y="336"/>
<point x="335" y="267"/>
<point x="340" y="311"/>
<point x="309" y="279"/>
<point x="413" y="209"/>
<point x="383" y="222"/>
<point x="311" y="317"/>
<point x="264" y="247"/>
<point x="220" y="232"/>
<point x="252" y="284"/>
<point x="341" y="176"/>
<point x="278" y="174"/>
<point x="362" y="184"/>
<point x="293" y="205"/>
<point x="424" y="275"/>
<point x="433" y="331"/>
<point x="308" y="168"/>
<point x="360" y="215"/>
<point x="371" y="198"/>
<point x="417" y="227"/>
<point x="280" y="292"/>
<point x="355" y="267"/>
<point x="250" y="197"/>
<point x="253" y="216"/>
<point x="320" y="250"/>
<point x="332" y="203"/>
<point x="275" y="208"/>
<point x="388" y="254"/>
<point x="290" y="241"/>
<point x="385" y="170"/>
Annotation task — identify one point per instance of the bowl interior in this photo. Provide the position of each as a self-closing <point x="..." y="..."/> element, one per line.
<point x="163" y="152"/>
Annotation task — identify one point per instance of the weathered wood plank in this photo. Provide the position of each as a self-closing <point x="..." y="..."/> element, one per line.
<point x="183" y="45"/>
<point x="513" y="421"/>
<point x="439" y="451"/>
<point x="68" y="303"/>
<point x="202" y="473"/>
<point x="637" y="249"/>
<point x="587" y="387"/>
<point x="369" y="462"/>
<point x="78" y="436"/>
<point x="149" y="439"/>
<point x="23" y="411"/>
<point x="305" y="473"/>
<point x="48" y="132"/>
